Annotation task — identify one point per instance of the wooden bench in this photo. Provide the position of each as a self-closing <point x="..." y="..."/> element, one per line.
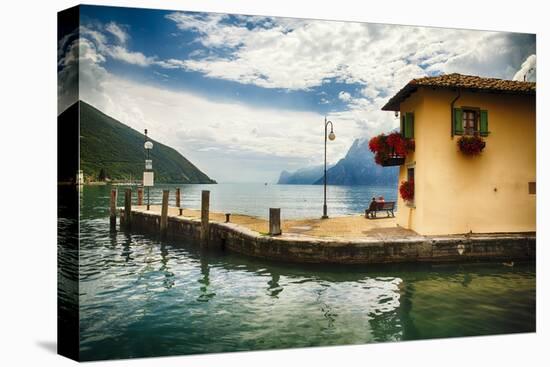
<point x="381" y="206"/>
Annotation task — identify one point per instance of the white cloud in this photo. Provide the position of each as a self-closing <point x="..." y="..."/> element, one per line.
<point x="223" y="138"/>
<point x="219" y="137"/>
<point x="136" y="58"/>
<point x="115" y="51"/>
<point x="302" y="54"/>
<point x="118" y="32"/>
<point x="528" y="70"/>
<point x="344" y="96"/>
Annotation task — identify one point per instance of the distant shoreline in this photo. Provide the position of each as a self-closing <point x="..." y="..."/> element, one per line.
<point x="124" y="183"/>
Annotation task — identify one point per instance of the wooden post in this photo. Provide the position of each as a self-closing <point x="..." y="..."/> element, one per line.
<point x="205" y="212"/>
<point x="128" y="208"/>
<point x="164" y="213"/>
<point x="178" y="201"/>
<point x="275" y="221"/>
<point x="140" y="196"/>
<point x="227" y="217"/>
<point x="113" y="208"/>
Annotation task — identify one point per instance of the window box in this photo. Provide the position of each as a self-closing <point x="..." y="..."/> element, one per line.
<point x="471" y="145"/>
<point x="390" y="150"/>
<point x="392" y="161"/>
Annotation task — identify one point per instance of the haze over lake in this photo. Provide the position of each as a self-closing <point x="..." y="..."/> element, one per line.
<point x="295" y="201"/>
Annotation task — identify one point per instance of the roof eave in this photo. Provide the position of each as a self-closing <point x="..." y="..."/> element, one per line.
<point x="394" y="104"/>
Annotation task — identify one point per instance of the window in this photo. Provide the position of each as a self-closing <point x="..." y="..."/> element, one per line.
<point x="407" y="125"/>
<point x="410" y="178"/>
<point x="410" y="174"/>
<point x="471" y="121"/>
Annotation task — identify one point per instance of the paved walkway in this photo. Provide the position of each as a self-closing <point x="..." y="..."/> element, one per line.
<point x="345" y="227"/>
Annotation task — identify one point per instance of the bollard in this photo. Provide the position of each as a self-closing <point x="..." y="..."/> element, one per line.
<point x="164" y="213"/>
<point x="205" y="212"/>
<point x="113" y="208"/>
<point x="140" y="196"/>
<point x="274" y="221"/>
<point x="178" y="201"/>
<point x="227" y="217"/>
<point x="128" y="208"/>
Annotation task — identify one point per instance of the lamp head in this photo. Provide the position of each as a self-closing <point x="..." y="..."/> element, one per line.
<point x="148" y="145"/>
<point x="332" y="136"/>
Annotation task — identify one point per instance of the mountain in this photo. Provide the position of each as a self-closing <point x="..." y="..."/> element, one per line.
<point x="358" y="168"/>
<point x="303" y="176"/>
<point x="110" y="146"/>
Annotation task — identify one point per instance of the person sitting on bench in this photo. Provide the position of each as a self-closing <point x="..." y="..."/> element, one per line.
<point x="380" y="205"/>
<point x="372" y="208"/>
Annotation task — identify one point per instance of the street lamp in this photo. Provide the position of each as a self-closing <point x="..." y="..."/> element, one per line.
<point x="148" y="174"/>
<point x="331" y="136"/>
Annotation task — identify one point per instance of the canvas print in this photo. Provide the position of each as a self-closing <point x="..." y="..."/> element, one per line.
<point x="240" y="183"/>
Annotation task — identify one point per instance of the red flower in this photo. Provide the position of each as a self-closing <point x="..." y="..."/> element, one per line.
<point x="398" y="144"/>
<point x="374" y="144"/>
<point x="471" y="145"/>
<point x="392" y="145"/>
<point x="406" y="190"/>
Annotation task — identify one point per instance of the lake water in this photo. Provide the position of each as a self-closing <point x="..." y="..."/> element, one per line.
<point x="295" y="201"/>
<point x="140" y="297"/>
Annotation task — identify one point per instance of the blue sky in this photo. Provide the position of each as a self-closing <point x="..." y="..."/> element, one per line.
<point x="153" y="34"/>
<point x="244" y="97"/>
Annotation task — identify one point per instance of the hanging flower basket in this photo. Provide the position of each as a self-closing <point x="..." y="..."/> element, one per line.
<point x="390" y="150"/>
<point x="471" y="145"/>
<point x="406" y="190"/>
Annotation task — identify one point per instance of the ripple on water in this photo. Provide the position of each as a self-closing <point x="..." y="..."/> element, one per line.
<point x="139" y="298"/>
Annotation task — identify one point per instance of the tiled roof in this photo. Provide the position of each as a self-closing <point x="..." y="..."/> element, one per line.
<point x="455" y="81"/>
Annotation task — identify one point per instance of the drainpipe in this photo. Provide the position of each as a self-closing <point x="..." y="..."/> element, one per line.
<point x="453" y="113"/>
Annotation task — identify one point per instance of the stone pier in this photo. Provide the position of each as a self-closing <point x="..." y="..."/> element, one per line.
<point x="388" y="245"/>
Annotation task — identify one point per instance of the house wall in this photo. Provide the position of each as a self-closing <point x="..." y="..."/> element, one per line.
<point x="455" y="193"/>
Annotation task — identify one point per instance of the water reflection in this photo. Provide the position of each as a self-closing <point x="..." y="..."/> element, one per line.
<point x="168" y="275"/>
<point x="126" y="240"/>
<point x="273" y="287"/>
<point x="205" y="294"/>
<point x="140" y="297"/>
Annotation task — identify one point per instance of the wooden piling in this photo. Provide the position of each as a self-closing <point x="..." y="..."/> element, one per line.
<point x="113" y="208"/>
<point x="205" y="213"/>
<point x="164" y="212"/>
<point x="178" y="194"/>
<point x="140" y="196"/>
<point x="274" y="221"/>
<point x="128" y="208"/>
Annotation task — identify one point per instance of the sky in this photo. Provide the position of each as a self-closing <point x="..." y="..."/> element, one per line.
<point x="245" y="97"/>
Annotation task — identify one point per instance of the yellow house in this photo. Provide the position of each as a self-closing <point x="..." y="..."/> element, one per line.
<point x="454" y="192"/>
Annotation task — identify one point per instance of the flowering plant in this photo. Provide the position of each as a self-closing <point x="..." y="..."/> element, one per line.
<point x="390" y="146"/>
<point x="471" y="145"/>
<point x="406" y="190"/>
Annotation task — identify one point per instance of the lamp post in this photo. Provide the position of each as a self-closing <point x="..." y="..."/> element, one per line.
<point x="331" y="136"/>
<point x="148" y="174"/>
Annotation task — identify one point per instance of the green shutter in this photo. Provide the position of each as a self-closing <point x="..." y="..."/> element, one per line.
<point x="459" y="128"/>
<point x="402" y="127"/>
<point x="483" y="123"/>
<point x="409" y="125"/>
